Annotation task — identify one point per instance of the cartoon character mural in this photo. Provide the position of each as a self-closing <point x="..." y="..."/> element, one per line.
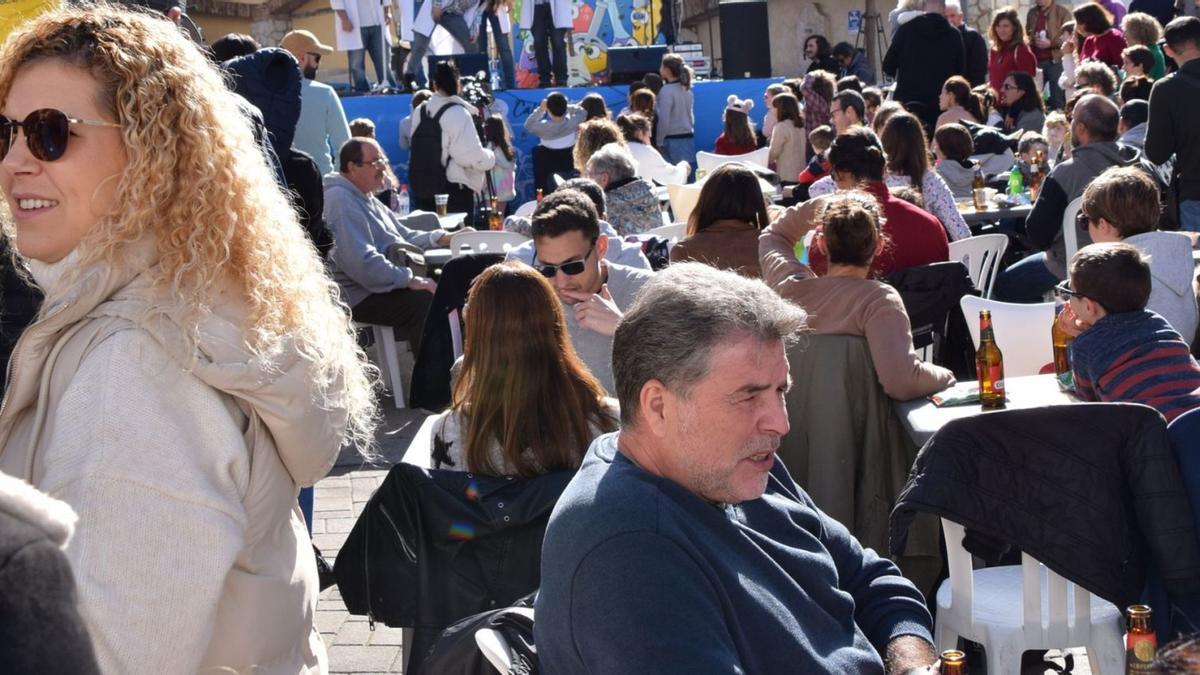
<point x="629" y="23"/>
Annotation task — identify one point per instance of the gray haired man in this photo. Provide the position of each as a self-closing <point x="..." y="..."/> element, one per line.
<point x="631" y="204"/>
<point x="683" y="545"/>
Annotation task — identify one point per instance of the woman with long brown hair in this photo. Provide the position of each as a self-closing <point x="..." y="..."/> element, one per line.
<point x="788" y="146"/>
<point x="907" y="152"/>
<point x="1010" y="51"/>
<point x="524" y="403"/>
<point x="724" y="227"/>
<point x="958" y="102"/>
<point x="1103" y="41"/>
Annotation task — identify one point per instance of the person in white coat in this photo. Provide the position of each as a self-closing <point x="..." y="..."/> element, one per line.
<point x="496" y="15"/>
<point x="451" y="15"/>
<point x="463" y="155"/>
<point x="548" y="21"/>
<point x="364" y="26"/>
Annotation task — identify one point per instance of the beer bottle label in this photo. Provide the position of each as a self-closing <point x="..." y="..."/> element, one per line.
<point x="1139" y="652"/>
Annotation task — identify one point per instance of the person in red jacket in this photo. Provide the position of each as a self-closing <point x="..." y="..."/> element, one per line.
<point x="1009" y="51"/>
<point x="737" y="138"/>
<point x="916" y="237"/>
<point x="1103" y="42"/>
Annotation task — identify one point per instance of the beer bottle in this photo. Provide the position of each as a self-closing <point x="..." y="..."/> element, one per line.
<point x="977" y="188"/>
<point x="989" y="365"/>
<point x="539" y="195"/>
<point x="1140" y="641"/>
<point x="495" y="219"/>
<point x="954" y="662"/>
<point x="1037" y="174"/>
<point x="1059" y="338"/>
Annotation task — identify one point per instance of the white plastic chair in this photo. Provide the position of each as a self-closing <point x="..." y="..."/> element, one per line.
<point x="1070" y="231"/>
<point x="1022" y="332"/>
<point x="673" y="232"/>
<point x="526" y="210"/>
<point x="558" y="180"/>
<point x="709" y="161"/>
<point x="387" y="358"/>
<point x="485" y="241"/>
<point x="456" y="336"/>
<point x="683" y="201"/>
<point x="982" y="256"/>
<point x="493" y="646"/>
<point x="1016" y="608"/>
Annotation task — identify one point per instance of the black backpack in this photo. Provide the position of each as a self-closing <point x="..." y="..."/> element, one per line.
<point x="426" y="172"/>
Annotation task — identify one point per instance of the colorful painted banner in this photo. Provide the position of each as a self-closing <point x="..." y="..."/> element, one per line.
<point x="15" y="12"/>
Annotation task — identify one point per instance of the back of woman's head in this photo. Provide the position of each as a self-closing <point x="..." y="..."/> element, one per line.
<point x="1096" y="74"/>
<point x="632" y="126"/>
<point x="731" y="192"/>
<point x="1141" y="29"/>
<point x="737" y="121"/>
<point x="1092" y="18"/>
<point x="906" y="148"/>
<point x="850" y="228"/>
<point x="955" y="142"/>
<point x="445" y="78"/>
<point x="197" y="182"/>
<point x="592" y="136"/>
<point x="495" y="132"/>
<point x="642" y="101"/>
<point x="787" y="107"/>
<point x="595" y="107"/>
<point x="858" y="152"/>
<point x="960" y="90"/>
<point x="883" y="114"/>
<point x="678" y="69"/>
<point x="519" y="367"/>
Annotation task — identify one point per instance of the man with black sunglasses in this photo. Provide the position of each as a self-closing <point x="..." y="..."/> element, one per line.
<point x="322" y="127"/>
<point x="570" y="252"/>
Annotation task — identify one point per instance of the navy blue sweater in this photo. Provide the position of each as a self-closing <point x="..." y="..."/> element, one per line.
<point x="641" y="576"/>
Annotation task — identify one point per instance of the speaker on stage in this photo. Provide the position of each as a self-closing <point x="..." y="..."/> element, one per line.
<point x="745" y="39"/>
<point x="629" y="64"/>
<point x="468" y="64"/>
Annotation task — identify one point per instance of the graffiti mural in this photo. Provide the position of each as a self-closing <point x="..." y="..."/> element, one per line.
<point x="597" y="26"/>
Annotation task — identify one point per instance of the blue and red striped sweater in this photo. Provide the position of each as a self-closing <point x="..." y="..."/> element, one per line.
<point x="1136" y="357"/>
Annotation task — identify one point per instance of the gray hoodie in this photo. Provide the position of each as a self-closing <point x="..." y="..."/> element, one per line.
<point x="364" y="230"/>
<point x="1172" y="295"/>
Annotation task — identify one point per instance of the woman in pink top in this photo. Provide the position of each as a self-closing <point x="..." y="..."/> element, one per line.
<point x="845" y="301"/>
<point x="1009" y="49"/>
<point x="1103" y="42"/>
<point x="958" y="102"/>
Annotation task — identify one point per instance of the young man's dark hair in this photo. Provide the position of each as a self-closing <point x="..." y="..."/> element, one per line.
<point x="852" y="100"/>
<point x="588" y="187"/>
<point x="351" y="152"/>
<point x="1134" y="113"/>
<point x="844" y="49"/>
<point x="420" y="96"/>
<point x="232" y="45"/>
<point x="445" y="78"/>
<point x="565" y="211"/>
<point x="556" y="104"/>
<point x="637" y="85"/>
<point x="1183" y="32"/>
<point x="1140" y="55"/>
<point x="872" y="96"/>
<point x="954" y="141"/>
<point x="654" y="81"/>
<point x="1116" y="276"/>
<point x="849" y="83"/>
<point x="858" y="152"/>
<point x="1126" y="198"/>
<point x="1136" y="89"/>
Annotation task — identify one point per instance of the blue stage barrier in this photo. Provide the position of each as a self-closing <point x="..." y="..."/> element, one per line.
<point x="710" y="97"/>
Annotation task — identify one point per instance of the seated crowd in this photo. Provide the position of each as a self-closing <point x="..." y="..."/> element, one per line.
<point x="194" y="364"/>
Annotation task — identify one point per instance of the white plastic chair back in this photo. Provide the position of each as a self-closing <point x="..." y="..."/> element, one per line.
<point x="1014" y="608"/>
<point x="456" y="336"/>
<point x="1022" y="332"/>
<point x="387" y="359"/>
<point x="1070" y="232"/>
<point x="559" y="180"/>
<point x="683" y="201"/>
<point x="485" y="241"/>
<point x="982" y="256"/>
<point x="526" y="210"/>
<point x="673" y="232"/>
<point x="493" y="646"/>
<point x="709" y="161"/>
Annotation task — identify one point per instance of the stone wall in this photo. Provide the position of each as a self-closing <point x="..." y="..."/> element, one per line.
<point x="269" y="30"/>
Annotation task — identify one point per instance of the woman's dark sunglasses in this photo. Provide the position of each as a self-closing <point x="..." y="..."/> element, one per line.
<point x="46" y="133"/>
<point x="568" y="268"/>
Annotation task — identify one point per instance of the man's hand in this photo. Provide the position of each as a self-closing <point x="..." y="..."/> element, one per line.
<point x="1042" y="43"/>
<point x="445" y="240"/>
<point x="1070" y="322"/>
<point x="911" y="654"/>
<point x="596" y="312"/>
<point x="542" y="106"/>
<point x="421" y="284"/>
<point x="437" y="13"/>
<point x="347" y="24"/>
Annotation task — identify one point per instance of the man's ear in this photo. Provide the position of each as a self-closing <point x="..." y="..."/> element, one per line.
<point x="601" y="247"/>
<point x="653" y="404"/>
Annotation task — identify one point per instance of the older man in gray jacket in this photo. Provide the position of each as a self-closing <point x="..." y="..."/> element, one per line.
<point x="368" y="259"/>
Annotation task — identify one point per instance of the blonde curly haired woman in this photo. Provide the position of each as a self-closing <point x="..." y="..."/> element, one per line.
<point x="190" y="368"/>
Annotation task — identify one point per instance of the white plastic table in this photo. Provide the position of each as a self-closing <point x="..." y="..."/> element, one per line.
<point x="922" y="418"/>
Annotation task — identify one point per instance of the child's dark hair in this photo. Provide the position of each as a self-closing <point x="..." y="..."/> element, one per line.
<point x="1116" y="275"/>
<point x="595" y="106"/>
<point x="556" y="104"/>
<point x="850" y="228"/>
<point x="496" y="133"/>
<point x="954" y="141"/>
<point x="821" y="138"/>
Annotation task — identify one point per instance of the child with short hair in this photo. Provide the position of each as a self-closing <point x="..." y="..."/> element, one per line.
<point x="1056" y="128"/>
<point x="819" y="140"/>
<point x="1123" y="352"/>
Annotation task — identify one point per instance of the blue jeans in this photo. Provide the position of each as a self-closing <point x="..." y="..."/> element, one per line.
<point x="373" y="42"/>
<point x="547" y="38"/>
<point x="676" y="150"/>
<point x="1025" y="281"/>
<point x="454" y="24"/>
<point x="503" y="48"/>
<point x="306" y="506"/>
<point x="1189" y="216"/>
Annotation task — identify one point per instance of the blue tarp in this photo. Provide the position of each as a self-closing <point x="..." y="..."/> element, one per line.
<point x="710" y="97"/>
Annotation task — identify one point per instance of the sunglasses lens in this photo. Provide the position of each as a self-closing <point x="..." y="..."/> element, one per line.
<point x="7" y="130"/>
<point x="47" y="132"/>
<point x="573" y="268"/>
<point x="548" y="271"/>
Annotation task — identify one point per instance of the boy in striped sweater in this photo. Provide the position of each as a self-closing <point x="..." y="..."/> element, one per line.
<point x="1123" y="352"/>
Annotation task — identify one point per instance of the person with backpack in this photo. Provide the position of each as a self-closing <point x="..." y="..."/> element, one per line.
<point x="447" y="156"/>
<point x="1172" y="128"/>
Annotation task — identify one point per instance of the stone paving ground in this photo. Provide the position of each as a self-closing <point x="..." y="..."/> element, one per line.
<point x="352" y="646"/>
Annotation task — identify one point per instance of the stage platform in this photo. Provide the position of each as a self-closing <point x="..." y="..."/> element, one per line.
<point x="710" y="96"/>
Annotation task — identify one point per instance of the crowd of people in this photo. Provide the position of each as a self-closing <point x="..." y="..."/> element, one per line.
<point x="202" y="228"/>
